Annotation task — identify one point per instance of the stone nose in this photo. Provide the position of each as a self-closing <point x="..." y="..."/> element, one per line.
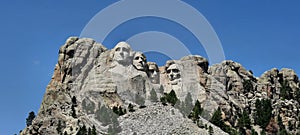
<point x="154" y="72"/>
<point x="171" y="72"/>
<point x="121" y="53"/>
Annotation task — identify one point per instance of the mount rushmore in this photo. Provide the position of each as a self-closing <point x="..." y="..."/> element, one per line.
<point x="118" y="91"/>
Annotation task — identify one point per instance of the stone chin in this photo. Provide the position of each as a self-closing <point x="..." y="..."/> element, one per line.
<point x="175" y="81"/>
<point x="123" y="62"/>
<point x="139" y="67"/>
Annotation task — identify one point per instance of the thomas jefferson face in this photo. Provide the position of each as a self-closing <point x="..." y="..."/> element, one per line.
<point x="173" y="72"/>
<point x="139" y="61"/>
<point x="122" y="53"/>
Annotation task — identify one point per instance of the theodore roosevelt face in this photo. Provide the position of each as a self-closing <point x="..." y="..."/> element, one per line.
<point x="153" y="72"/>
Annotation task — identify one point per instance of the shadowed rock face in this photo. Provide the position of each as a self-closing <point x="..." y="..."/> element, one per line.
<point x="102" y="79"/>
<point x="153" y="72"/>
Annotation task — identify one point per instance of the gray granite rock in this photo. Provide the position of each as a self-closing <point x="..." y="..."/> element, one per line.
<point x="100" y="79"/>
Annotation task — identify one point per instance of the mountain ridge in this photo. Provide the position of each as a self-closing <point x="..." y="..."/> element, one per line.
<point x="101" y="80"/>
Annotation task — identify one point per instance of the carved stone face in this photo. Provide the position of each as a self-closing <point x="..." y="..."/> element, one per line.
<point x="122" y="53"/>
<point x="173" y="72"/>
<point x="153" y="72"/>
<point x="139" y="61"/>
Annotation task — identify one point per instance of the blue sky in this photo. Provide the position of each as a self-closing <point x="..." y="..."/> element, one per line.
<point x="258" y="34"/>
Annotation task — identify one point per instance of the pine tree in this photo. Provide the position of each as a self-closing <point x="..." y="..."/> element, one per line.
<point x="115" y="124"/>
<point x="279" y="122"/>
<point x="89" y="131"/>
<point x="286" y="90"/>
<point x="74" y="101"/>
<point x="139" y="100"/>
<point x="121" y="111"/>
<point x="153" y="96"/>
<point x="104" y="115"/>
<point x="297" y="94"/>
<point x="82" y="130"/>
<point x="217" y="118"/>
<point x="161" y="89"/>
<point x="114" y="128"/>
<point x="263" y="132"/>
<point x="163" y="100"/>
<point x="88" y="106"/>
<point x="181" y="107"/>
<point x="59" y="127"/>
<point x="30" y="118"/>
<point x="253" y="132"/>
<point x="290" y="125"/>
<point x="247" y="86"/>
<point x="282" y="130"/>
<point x="172" y="98"/>
<point x="244" y="120"/>
<point x="118" y="110"/>
<point x="110" y="130"/>
<point x="73" y="111"/>
<point x="94" y="132"/>
<point x="218" y="121"/>
<point x="263" y="112"/>
<point x="130" y="108"/>
<point x="169" y="98"/>
<point x="196" y="112"/>
<point x="210" y="130"/>
<point x="188" y="104"/>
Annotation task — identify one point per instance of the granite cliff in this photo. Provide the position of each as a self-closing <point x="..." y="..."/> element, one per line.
<point x="118" y="92"/>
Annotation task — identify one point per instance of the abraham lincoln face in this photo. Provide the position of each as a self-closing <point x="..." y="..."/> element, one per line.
<point x="173" y="72"/>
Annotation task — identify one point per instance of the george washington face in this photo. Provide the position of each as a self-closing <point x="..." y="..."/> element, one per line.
<point x="122" y="53"/>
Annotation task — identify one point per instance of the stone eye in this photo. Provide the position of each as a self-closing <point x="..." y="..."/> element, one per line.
<point x="151" y="70"/>
<point x="118" y="49"/>
<point x="175" y="70"/>
<point x="136" y="58"/>
<point x="125" y="49"/>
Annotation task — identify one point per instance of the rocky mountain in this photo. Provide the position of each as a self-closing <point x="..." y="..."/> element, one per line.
<point x="95" y="90"/>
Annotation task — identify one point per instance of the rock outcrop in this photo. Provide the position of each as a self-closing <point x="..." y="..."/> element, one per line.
<point x="118" y="92"/>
